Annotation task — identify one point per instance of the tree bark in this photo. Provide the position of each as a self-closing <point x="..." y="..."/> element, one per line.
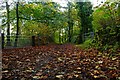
<point x="2" y="36"/>
<point x="17" y="32"/>
<point x="69" y="26"/>
<point x="8" y="25"/>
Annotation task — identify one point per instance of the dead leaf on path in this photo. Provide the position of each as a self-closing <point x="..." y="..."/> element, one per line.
<point x="27" y="60"/>
<point x="39" y="73"/>
<point x="59" y="76"/>
<point x="36" y="77"/>
<point x="58" y="61"/>
<point x="100" y="62"/>
<point x="6" y="71"/>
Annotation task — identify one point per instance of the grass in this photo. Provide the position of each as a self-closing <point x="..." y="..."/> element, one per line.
<point x="85" y="45"/>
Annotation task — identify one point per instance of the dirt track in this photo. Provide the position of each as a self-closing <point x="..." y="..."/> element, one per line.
<point x="58" y="62"/>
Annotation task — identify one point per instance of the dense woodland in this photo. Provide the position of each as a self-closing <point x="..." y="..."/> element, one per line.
<point x="78" y="22"/>
<point x="76" y="41"/>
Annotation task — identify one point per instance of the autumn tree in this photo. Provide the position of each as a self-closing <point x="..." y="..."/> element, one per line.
<point x="41" y="18"/>
<point x="85" y="15"/>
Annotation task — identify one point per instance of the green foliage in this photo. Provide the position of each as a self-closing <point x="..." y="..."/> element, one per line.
<point x="42" y="19"/>
<point x="107" y="27"/>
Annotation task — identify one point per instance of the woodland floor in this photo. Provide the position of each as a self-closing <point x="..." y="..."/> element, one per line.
<point x="59" y="62"/>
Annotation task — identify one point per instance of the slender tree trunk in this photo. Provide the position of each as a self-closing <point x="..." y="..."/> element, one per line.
<point x="69" y="26"/>
<point x="65" y="35"/>
<point x="2" y="36"/>
<point x="59" y="37"/>
<point x="8" y="25"/>
<point x="70" y="23"/>
<point x="117" y="30"/>
<point x="62" y="36"/>
<point x="119" y="9"/>
<point x="17" y="32"/>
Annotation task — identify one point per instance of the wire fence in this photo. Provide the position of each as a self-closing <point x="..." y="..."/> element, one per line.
<point x="8" y="41"/>
<point x="88" y="35"/>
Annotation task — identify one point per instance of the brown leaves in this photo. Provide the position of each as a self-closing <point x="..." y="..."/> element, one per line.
<point x="58" y="62"/>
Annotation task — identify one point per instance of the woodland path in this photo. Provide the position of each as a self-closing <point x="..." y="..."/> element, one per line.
<point x="58" y="62"/>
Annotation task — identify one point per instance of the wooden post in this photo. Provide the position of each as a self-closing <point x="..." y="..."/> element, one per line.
<point x="33" y="40"/>
<point x="2" y="40"/>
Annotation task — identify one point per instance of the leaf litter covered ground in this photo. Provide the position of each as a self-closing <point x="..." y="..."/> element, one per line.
<point x="59" y="62"/>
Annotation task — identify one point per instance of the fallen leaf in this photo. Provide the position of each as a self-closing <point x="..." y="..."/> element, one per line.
<point x="59" y="76"/>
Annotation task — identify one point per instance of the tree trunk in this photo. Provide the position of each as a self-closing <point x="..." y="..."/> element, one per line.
<point x="85" y="11"/>
<point x="65" y="35"/>
<point x="62" y="36"/>
<point x="59" y="37"/>
<point x="17" y="32"/>
<point x="69" y="26"/>
<point x="119" y="9"/>
<point x="8" y="25"/>
<point x="2" y="36"/>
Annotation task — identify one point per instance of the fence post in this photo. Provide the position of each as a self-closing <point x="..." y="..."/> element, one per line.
<point x="2" y="40"/>
<point x="33" y="40"/>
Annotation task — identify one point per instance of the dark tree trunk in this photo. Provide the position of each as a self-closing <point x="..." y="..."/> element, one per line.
<point x="8" y="25"/>
<point x="69" y="27"/>
<point x="119" y="9"/>
<point x="17" y="32"/>
<point x="70" y="23"/>
<point x="62" y="36"/>
<point x="85" y="11"/>
<point x="33" y="41"/>
<point x="80" y="37"/>
<point x="2" y="35"/>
